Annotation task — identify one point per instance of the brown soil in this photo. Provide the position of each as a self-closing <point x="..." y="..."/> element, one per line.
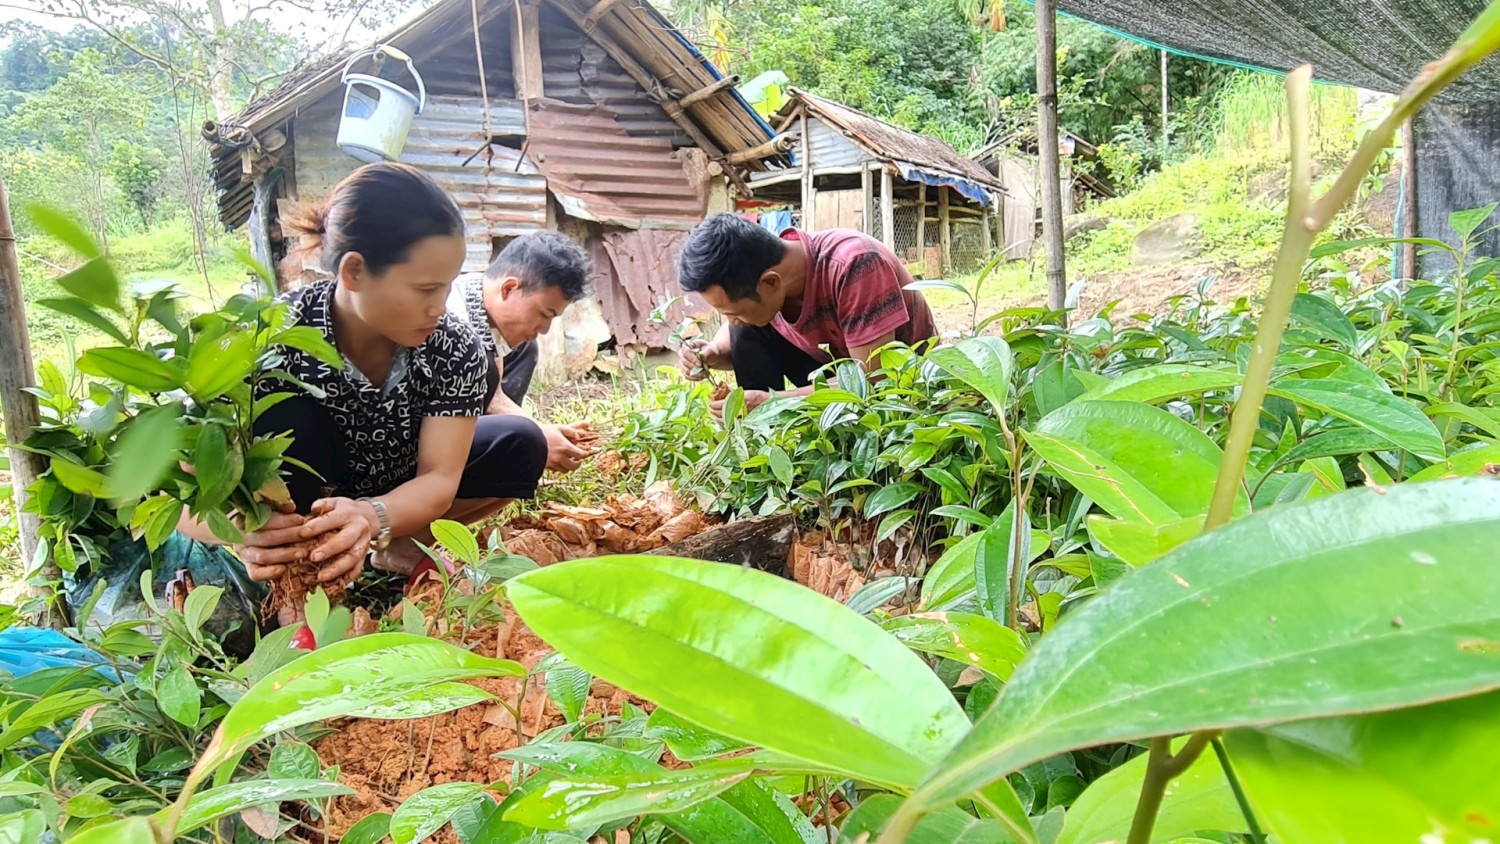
<point x="721" y="392"/>
<point x="288" y="596"/>
<point x="624" y="524"/>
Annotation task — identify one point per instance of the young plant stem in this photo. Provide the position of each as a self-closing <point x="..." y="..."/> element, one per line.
<point x="1256" y="836"/>
<point x="1161" y="768"/>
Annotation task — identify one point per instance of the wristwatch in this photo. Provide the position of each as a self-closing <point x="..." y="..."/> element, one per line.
<point x="382" y="539"/>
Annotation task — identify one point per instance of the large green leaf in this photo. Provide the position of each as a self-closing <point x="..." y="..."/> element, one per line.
<point x="1472" y="415"/>
<point x="569" y="802"/>
<point x="134" y="829"/>
<point x="1336" y="606"/>
<point x="1146" y="463"/>
<point x="205" y="807"/>
<point x="888" y="498"/>
<point x="1154" y="384"/>
<point x="952" y="576"/>
<point x="133" y="367"/>
<point x="1424" y="774"/>
<point x="62" y="227"/>
<point x="1199" y="800"/>
<point x="971" y="639"/>
<point x="218" y="468"/>
<point x="457" y="540"/>
<point x="146" y="452"/>
<point x="1464" y="464"/>
<point x="342" y="678"/>
<point x="748" y="655"/>
<point x="94" y="283"/>
<point x="983" y="363"/>
<point x="948" y="826"/>
<point x="429" y="810"/>
<point x="215" y="366"/>
<point x="1324" y="319"/>
<point x="85" y="313"/>
<point x="1394" y="418"/>
<point x="1335" y="443"/>
<point x="1138" y="543"/>
<point x="1006" y="538"/>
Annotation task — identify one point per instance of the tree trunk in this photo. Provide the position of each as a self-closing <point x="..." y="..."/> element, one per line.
<point x="218" y="89"/>
<point x="20" y="408"/>
<point x="1051" y="178"/>
<point x="1409" y="221"/>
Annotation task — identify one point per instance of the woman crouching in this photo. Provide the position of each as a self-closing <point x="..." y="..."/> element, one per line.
<point x="394" y="438"/>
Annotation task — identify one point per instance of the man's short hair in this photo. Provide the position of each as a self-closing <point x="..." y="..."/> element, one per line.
<point x="730" y="252"/>
<point x="544" y="259"/>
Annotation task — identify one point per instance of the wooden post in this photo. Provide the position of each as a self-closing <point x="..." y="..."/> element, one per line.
<point x="887" y="208"/>
<point x="809" y="196"/>
<point x="922" y="225"/>
<point x="526" y="51"/>
<point x="1000" y="224"/>
<point x="984" y="228"/>
<point x="1051" y="178"/>
<point x="16" y="375"/>
<point x="1409" y="198"/>
<point x="1166" y="109"/>
<point x="945" y="229"/>
<point x="867" y="191"/>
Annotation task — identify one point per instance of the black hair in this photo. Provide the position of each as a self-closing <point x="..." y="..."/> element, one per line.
<point x="544" y="259"/>
<point x="380" y="211"/>
<point x="730" y="252"/>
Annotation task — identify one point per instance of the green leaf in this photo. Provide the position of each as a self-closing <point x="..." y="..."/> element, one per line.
<point x="342" y="678"/>
<point x="132" y="829"/>
<point x="1335" y="443"/>
<point x="1151" y="465"/>
<point x="215" y="366"/>
<point x="457" y="540"/>
<point x="1338" y="246"/>
<point x="781" y="465"/>
<point x="1389" y="416"/>
<point x="94" y="283"/>
<point x="983" y="363"/>
<point x="947" y="826"/>
<point x="582" y="800"/>
<point x="430" y="809"/>
<point x="1253" y="623"/>
<point x="1155" y="384"/>
<point x="218" y="468"/>
<point x="568" y="685"/>
<point x="78" y="479"/>
<point x="371" y="829"/>
<point x="952" y="576"/>
<point x="1323" y="318"/>
<point x="291" y="760"/>
<point x="1200" y="799"/>
<point x="1478" y="418"/>
<point x="88" y="805"/>
<point x="1428" y="773"/>
<point x="966" y="515"/>
<point x="686" y="741"/>
<point x="200" y="604"/>
<point x="995" y="555"/>
<point x="424" y="703"/>
<point x="717" y="635"/>
<point x="62" y="227"/>
<point x="208" y="806"/>
<point x="178" y="696"/>
<point x="892" y="523"/>
<point x="1138" y="543"/>
<point x="1465" y="223"/>
<point x="939" y="284"/>
<point x="146" y="452"/>
<point x="1463" y="464"/>
<point x="132" y="367"/>
<point x="949" y="482"/>
<point x="888" y="498"/>
<point x="963" y="637"/>
<point x="305" y="338"/>
<point x="85" y="313"/>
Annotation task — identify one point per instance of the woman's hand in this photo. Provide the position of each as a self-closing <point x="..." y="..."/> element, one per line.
<point x="267" y="551"/>
<point x="344" y="529"/>
<point x="567" y="446"/>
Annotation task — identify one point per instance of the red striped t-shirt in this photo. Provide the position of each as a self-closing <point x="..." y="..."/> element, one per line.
<point x="854" y="294"/>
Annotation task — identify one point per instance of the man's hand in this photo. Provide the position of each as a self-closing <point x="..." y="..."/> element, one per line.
<point x="696" y="357"/>
<point x="344" y="528"/>
<point x="753" y="399"/>
<point x="564" y="454"/>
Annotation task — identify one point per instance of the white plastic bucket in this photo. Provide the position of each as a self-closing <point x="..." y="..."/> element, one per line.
<point x="377" y="112"/>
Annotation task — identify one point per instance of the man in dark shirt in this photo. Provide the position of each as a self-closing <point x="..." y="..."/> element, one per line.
<point x="788" y="298"/>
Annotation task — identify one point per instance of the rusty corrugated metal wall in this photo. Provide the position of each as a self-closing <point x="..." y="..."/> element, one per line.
<point x="497" y="197"/>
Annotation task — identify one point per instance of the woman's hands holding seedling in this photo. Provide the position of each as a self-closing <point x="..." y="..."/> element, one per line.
<point x="337" y="537"/>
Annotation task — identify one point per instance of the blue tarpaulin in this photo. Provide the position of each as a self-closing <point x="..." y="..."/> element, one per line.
<point x="971" y="189"/>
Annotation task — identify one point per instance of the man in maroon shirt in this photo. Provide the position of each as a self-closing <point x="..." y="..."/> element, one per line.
<point x="789" y="298"/>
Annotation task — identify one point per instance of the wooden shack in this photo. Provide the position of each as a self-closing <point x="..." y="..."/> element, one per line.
<point x="935" y="208"/>
<point x="596" y="118"/>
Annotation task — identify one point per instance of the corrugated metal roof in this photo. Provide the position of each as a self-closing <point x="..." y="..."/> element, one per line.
<point x="599" y="172"/>
<point x="633" y="273"/>
<point x="891" y="143"/>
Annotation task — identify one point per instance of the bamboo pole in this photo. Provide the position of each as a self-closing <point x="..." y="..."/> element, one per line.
<point x="945" y="229"/>
<point x="708" y="91"/>
<point x="1051" y="179"/>
<point x="867" y="192"/>
<point x="922" y="225"/>
<point x="887" y="209"/>
<point x="1409" y="226"/>
<point x="17" y="374"/>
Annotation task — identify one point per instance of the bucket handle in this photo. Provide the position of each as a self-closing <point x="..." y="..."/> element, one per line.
<point x="398" y="55"/>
